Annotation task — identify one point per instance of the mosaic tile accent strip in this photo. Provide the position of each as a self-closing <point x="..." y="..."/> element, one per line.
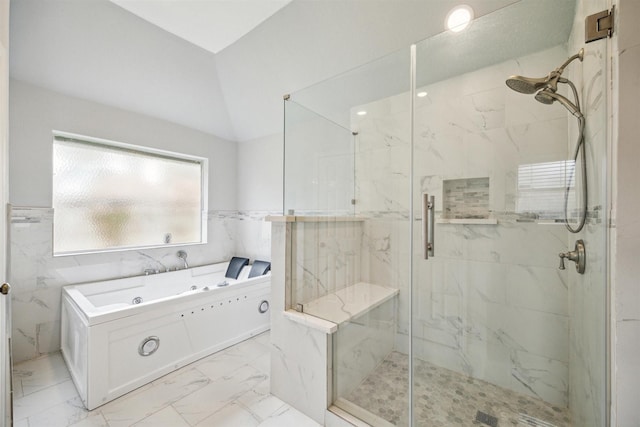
<point x="447" y="398"/>
<point x="465" y="198"/>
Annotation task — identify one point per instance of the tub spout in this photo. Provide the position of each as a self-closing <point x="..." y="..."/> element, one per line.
<point x="183" y="256"/>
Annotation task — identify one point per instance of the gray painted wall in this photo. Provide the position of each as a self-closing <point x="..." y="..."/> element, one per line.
<point x="95" y="50"/>
<point x="34" y="112"/>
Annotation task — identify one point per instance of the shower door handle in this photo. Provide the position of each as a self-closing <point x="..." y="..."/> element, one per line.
<point x="428" y="208"/>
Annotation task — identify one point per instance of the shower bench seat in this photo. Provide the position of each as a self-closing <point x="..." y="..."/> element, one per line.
<point x="328" y="312"/>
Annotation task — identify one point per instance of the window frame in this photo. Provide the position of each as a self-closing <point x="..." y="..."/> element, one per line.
<point x="89" y="140"/>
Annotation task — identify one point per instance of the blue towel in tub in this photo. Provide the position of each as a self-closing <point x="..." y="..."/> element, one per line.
<point x="259" y="268"/>
<point x="235" y="267"/>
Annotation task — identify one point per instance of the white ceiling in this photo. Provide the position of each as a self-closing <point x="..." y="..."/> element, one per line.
<point x="210" y="24"/>
<point x="71" y="47"/>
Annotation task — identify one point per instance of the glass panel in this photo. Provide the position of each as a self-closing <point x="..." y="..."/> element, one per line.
<point x="354" y="269"/>
<point x="497" y="328"/>
<point x="318" y="164"/>
<point x="108" y="198"/>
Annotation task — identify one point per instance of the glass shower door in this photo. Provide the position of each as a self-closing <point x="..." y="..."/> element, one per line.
<point x="500" y="334"/>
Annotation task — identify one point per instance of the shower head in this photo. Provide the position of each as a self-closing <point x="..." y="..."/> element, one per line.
<point x="547" y="96"/>
<point x="526" y="85"/>
<point x="530" y="85"/>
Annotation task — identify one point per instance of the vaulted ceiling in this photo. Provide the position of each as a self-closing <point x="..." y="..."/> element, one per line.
<point x="99" y="51"/>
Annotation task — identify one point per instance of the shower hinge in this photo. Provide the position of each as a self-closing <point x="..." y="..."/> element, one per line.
<point x="599" y="25"/>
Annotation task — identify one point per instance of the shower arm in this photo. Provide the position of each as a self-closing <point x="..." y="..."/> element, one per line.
<point x="555" y="76"/>
<point x="579" y="55"/>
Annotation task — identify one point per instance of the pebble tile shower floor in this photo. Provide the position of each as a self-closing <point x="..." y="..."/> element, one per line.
<point x="448" y="398"/>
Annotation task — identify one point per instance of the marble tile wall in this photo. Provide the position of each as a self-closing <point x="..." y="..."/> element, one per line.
<point x="325" y="256"/>
<point x="37" y="277"/>
<point x="491" y="303"/>
<point x="588" y="292"/>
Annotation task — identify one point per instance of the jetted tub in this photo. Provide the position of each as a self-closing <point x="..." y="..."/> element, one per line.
<point x="118" y="335"/>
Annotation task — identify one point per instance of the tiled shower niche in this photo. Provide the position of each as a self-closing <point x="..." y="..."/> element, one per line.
<point x="466" y="198"/>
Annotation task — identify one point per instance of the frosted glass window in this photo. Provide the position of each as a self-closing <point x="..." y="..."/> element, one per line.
<point x="115" y="196"/>
<point x="542" y="186"/>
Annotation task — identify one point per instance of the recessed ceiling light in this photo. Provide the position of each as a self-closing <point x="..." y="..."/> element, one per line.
<point x="458" y="18"/>
<point x="421" y="94"/>
<point x="361" y="113"/>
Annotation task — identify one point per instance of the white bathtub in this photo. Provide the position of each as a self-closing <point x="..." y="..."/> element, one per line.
<point x="113" y="345"/>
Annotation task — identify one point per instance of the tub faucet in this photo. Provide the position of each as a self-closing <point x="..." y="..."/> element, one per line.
<point x="183" y="256"/>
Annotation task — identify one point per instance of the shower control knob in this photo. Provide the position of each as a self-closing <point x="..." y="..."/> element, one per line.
<point x="562" y="256"/>
<point x="578" y="255"/>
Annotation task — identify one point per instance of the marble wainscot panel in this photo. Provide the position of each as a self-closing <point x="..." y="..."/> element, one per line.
<point x="37" y="276"/>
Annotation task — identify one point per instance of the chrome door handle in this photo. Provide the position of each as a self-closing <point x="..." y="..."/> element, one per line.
<point x="5" y="288"/>
<point x="428" y="207"/>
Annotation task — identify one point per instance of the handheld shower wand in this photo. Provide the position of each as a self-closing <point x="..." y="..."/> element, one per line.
<point x="545" y="89"/>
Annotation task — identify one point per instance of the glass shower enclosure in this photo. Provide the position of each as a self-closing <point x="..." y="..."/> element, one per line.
<point x="430" y="204"/>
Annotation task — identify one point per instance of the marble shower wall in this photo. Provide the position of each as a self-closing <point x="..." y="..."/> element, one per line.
<point x="492" y="303"/>
<point x="325" y="257"/>
<point x="37" y="277"/>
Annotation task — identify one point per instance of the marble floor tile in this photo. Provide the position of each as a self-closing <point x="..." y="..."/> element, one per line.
<point x="262" y="363"/>
<point x="260" y="402"/>
<point x="127" y="410"/>
<point x="204" y="402"/>
<point x="63" y="414"/>
<point x="219" y="365"/>
<point x="43" y="399"/>
<point x="94" y="419"/>
<point x="37" y="374"/>
<point x="231" y="415"/>
<point x="288" y="417"/>
<point x="229" y="388"/>
<point x="167" y="417"/>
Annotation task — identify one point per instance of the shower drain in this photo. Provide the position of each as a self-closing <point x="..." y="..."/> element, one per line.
<point x="534" y="422"/>
<point x="486" y="419"/>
